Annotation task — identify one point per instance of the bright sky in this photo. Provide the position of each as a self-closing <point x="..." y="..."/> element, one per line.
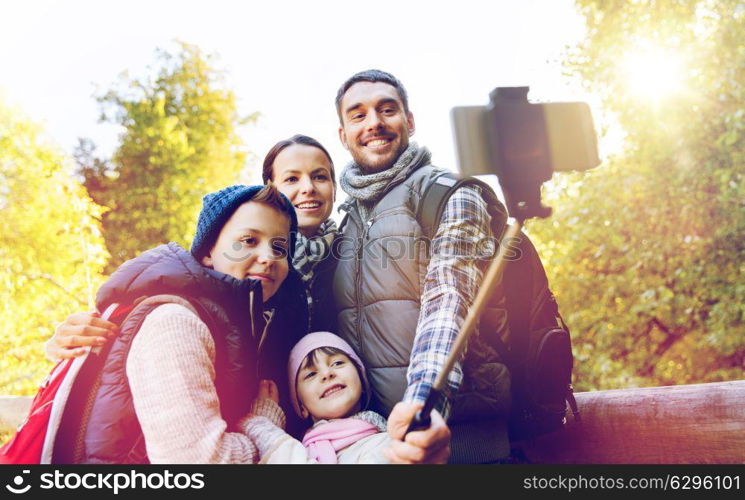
<point x="286" y="59"/>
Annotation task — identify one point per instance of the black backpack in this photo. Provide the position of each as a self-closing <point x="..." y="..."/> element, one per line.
<point x="537" y="348"/>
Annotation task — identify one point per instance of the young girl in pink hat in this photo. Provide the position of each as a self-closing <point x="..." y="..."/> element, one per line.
<point x="328" y="384"/>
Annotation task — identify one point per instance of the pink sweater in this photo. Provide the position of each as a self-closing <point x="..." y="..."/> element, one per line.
<point x="171" y="371"/>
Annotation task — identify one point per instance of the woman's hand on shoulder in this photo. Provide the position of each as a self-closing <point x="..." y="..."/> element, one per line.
<point x="79" y="330"/>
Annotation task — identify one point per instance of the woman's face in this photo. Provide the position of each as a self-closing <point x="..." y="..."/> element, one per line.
<point x="303" y="174"/>
<point x="253" y="244"/>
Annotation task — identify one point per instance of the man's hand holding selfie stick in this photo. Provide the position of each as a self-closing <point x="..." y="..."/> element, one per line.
<point x="422" y="419"/>
<point x="523" y="143"/>
<point x="419" y="433"/>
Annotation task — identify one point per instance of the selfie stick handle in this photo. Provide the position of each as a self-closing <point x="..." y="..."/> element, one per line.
<point x="422" y="419"/>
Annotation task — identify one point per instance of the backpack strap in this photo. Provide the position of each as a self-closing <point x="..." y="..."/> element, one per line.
<point x="432" y="204"/>
<point x="518" y="299"/>
<point x="436" y="195"/>
<point x="66" y="438"/>
<point x="163" y="299"/>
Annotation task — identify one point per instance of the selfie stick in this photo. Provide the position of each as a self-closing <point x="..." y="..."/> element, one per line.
<point x="422" y="420"/>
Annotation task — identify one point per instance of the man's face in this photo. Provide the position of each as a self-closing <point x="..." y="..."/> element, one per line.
<point x="375" y="128"/>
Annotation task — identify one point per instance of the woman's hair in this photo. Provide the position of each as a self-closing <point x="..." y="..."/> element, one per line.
<point x="267" y="171"/>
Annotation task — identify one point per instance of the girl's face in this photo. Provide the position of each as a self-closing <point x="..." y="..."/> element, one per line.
<point x="329" y="387"/>
<point x="253" y="244"/>
<point x="303" y="174"/>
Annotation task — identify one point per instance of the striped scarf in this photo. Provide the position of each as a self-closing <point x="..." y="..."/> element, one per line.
<point x="311" y="251"/>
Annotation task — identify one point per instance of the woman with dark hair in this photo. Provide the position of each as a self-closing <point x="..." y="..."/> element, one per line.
<point x="302" y="170"/>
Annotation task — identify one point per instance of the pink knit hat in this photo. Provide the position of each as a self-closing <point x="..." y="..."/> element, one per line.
<point x="310" y="343"/>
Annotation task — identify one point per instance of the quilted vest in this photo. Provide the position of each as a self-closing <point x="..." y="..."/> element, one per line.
<point x="378" y="287"/>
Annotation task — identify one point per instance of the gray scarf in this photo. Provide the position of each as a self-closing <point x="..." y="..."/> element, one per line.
<point x="367" y="188"/>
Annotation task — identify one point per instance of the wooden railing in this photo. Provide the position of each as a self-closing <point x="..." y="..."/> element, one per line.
<point x="702" y="423"/>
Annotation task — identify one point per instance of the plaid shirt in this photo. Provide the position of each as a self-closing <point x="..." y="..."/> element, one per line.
<point x="453" y="277"/>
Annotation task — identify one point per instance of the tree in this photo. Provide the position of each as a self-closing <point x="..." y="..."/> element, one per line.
<point x="51" y="249"/>
<point x="179" y="142"/>
<point x="646" y="252"/>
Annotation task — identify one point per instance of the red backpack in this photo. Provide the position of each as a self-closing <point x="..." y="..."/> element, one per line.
<point x="35" y="437"/>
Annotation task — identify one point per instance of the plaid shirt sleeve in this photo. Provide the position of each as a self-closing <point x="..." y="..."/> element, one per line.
<point x="453" y="277"/>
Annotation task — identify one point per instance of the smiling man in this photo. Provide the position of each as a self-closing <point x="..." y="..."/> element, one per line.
<point x="400" y="306"/>
<point x="376" y="124"/>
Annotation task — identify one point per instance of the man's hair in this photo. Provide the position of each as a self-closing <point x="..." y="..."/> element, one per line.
<point x="270" y="195"/>
<point x="267" y="171"/>
<point x="372" y="76"/>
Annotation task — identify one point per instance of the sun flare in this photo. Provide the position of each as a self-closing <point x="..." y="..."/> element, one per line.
<point x="653" y="73"/>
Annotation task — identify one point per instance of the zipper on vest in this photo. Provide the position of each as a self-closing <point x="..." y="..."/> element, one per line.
<point x="268" y="316"/>
<point x="251" y="312"/>
<point x="350" y="207"/>
<point x="358" y="289"/>
<point x="354" y="214"/>
<point x="364" y="227"/>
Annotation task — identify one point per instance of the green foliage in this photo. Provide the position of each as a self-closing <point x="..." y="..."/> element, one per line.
<point x="51" y="249"/>
<point x="179" y="143"/>
<point x="646" y="252"/>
